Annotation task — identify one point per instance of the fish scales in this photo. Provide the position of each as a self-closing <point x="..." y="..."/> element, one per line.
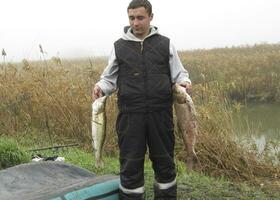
<point x="98" y="126"/>
<point x="187" y="122"/>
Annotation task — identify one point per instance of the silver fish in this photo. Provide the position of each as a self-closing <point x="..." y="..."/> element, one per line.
<point x="98" y="127"/>
<point x="187" y="121"/>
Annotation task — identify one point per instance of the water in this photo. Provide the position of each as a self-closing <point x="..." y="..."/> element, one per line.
<point x="259" y="124"/>
<point x="259" y="120"/>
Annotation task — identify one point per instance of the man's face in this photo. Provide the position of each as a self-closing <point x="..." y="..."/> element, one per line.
<point x="139" y="20"/>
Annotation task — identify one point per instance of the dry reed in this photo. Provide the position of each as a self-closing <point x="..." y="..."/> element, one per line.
<point x="59" y="103"/>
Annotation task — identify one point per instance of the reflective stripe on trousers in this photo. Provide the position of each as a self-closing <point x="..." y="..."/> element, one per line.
<point x="164" y="186"/>
<point x="138" y="190"/>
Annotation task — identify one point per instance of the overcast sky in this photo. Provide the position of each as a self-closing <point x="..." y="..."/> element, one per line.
<point x="72" y="28"/>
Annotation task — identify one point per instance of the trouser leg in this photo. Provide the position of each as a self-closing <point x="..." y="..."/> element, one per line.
<point x="165" y="194"/>
<point x="161" y="142"/>
<point x="132" y="144"/>
<point x="131" y="196"/>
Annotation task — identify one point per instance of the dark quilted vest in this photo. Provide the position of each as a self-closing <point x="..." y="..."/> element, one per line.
<point x="144" y="83"/>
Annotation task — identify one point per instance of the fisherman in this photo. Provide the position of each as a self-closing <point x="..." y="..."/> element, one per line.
<point x="142" y="66"/>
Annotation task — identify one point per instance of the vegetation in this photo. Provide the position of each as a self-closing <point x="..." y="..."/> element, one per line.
<point x="11" y="154"/>
<point x="245" y="73"/>
<point x="49" y="102"/>
<point x="191" y="185"/>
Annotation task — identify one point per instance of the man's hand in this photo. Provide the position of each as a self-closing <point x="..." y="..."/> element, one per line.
<point x="188" y="87"/>
<point x="97" y="92"/>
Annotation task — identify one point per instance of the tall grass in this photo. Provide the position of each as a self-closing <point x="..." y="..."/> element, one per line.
<point x="11" y="154"/>
<point x="221" y="153"/>
<point x="248" y="73"/>
<point x="58" y="104"/>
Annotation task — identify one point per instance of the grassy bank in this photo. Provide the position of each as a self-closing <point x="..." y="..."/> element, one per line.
<point x="191" y="185"/>
<point x="50" y="103"/>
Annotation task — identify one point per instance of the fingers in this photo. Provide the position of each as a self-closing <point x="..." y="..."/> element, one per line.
<point x="189" y="89"/>
<point x="187" y="86"/>
<point x="97" y="92"/>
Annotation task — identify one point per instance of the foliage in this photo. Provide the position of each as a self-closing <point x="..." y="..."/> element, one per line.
<point x="191" y="185"/>
<point x="220" y="153"/>
<point x="54" y="98"/>
<point x="11" y="154"/>
<point x="246" y="73"/>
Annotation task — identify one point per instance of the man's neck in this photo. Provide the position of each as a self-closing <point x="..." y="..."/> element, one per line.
<point x="142" y="37"/>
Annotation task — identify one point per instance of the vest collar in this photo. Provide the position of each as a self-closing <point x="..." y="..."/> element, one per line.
<point x="128" y="35"/>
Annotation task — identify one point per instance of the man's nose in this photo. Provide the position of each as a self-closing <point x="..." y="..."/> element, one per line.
<point x="136" y="22"/>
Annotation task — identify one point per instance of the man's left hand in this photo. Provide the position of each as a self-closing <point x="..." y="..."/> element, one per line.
<point x="188" y="86"/>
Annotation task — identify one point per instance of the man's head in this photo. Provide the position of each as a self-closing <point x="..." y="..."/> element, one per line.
<point x="141" y="3"/>
<point x="140" y="15"/>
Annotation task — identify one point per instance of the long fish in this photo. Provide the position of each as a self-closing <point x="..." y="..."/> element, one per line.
<point x="187" y="122"/>
<point x="98" y="126"/>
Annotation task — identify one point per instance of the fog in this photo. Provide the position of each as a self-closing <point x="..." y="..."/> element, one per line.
<point x="87" y="28"/>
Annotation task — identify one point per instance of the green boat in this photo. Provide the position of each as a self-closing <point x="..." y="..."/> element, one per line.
<point x="51" y="180"/>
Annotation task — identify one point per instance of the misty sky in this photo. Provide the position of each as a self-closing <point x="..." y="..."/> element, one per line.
<point x="87" y="28"/>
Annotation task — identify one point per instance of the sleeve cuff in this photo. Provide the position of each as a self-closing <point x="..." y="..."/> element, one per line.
<point x="106" y="88"/>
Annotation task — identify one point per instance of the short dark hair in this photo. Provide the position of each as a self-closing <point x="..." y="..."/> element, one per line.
<point x="140" y="3"/>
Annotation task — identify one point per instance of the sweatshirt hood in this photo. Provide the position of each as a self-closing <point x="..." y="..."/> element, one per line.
<point x="128" y="35"/>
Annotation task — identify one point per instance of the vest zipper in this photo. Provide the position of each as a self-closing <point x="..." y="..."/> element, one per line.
<point x="145" y="76"/>
<point x="141" y="48"/>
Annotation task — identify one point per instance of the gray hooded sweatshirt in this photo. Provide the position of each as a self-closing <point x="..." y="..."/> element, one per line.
<point x="108" y="79"/>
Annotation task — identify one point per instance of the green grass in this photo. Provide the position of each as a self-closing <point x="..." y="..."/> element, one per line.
<point x="10" y="153"/>
<point x="191" y="185"/>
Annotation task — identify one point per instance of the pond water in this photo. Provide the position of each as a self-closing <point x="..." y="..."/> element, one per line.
<point x="259" y="120"/>
<point x="260" y="124"/>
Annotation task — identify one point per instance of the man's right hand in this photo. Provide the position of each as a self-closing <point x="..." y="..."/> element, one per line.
<point x="97" y="92"/>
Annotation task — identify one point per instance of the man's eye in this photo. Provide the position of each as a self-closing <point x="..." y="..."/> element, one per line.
<point x="131" y="18"/>
<point x="140" y="18"/>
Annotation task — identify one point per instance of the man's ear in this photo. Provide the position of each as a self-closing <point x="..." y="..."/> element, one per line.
<point x="151" y="16"/>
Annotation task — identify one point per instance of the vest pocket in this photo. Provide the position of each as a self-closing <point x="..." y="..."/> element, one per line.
<point x="132" y="89"/>
<point x="159" y="86"/>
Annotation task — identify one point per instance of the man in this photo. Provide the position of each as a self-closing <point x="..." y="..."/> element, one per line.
<point x="143" y="66"/>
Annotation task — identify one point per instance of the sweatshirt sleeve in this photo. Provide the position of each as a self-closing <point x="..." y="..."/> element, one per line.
<point x="108" y="79"/>
<point x="178" y="73"/>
